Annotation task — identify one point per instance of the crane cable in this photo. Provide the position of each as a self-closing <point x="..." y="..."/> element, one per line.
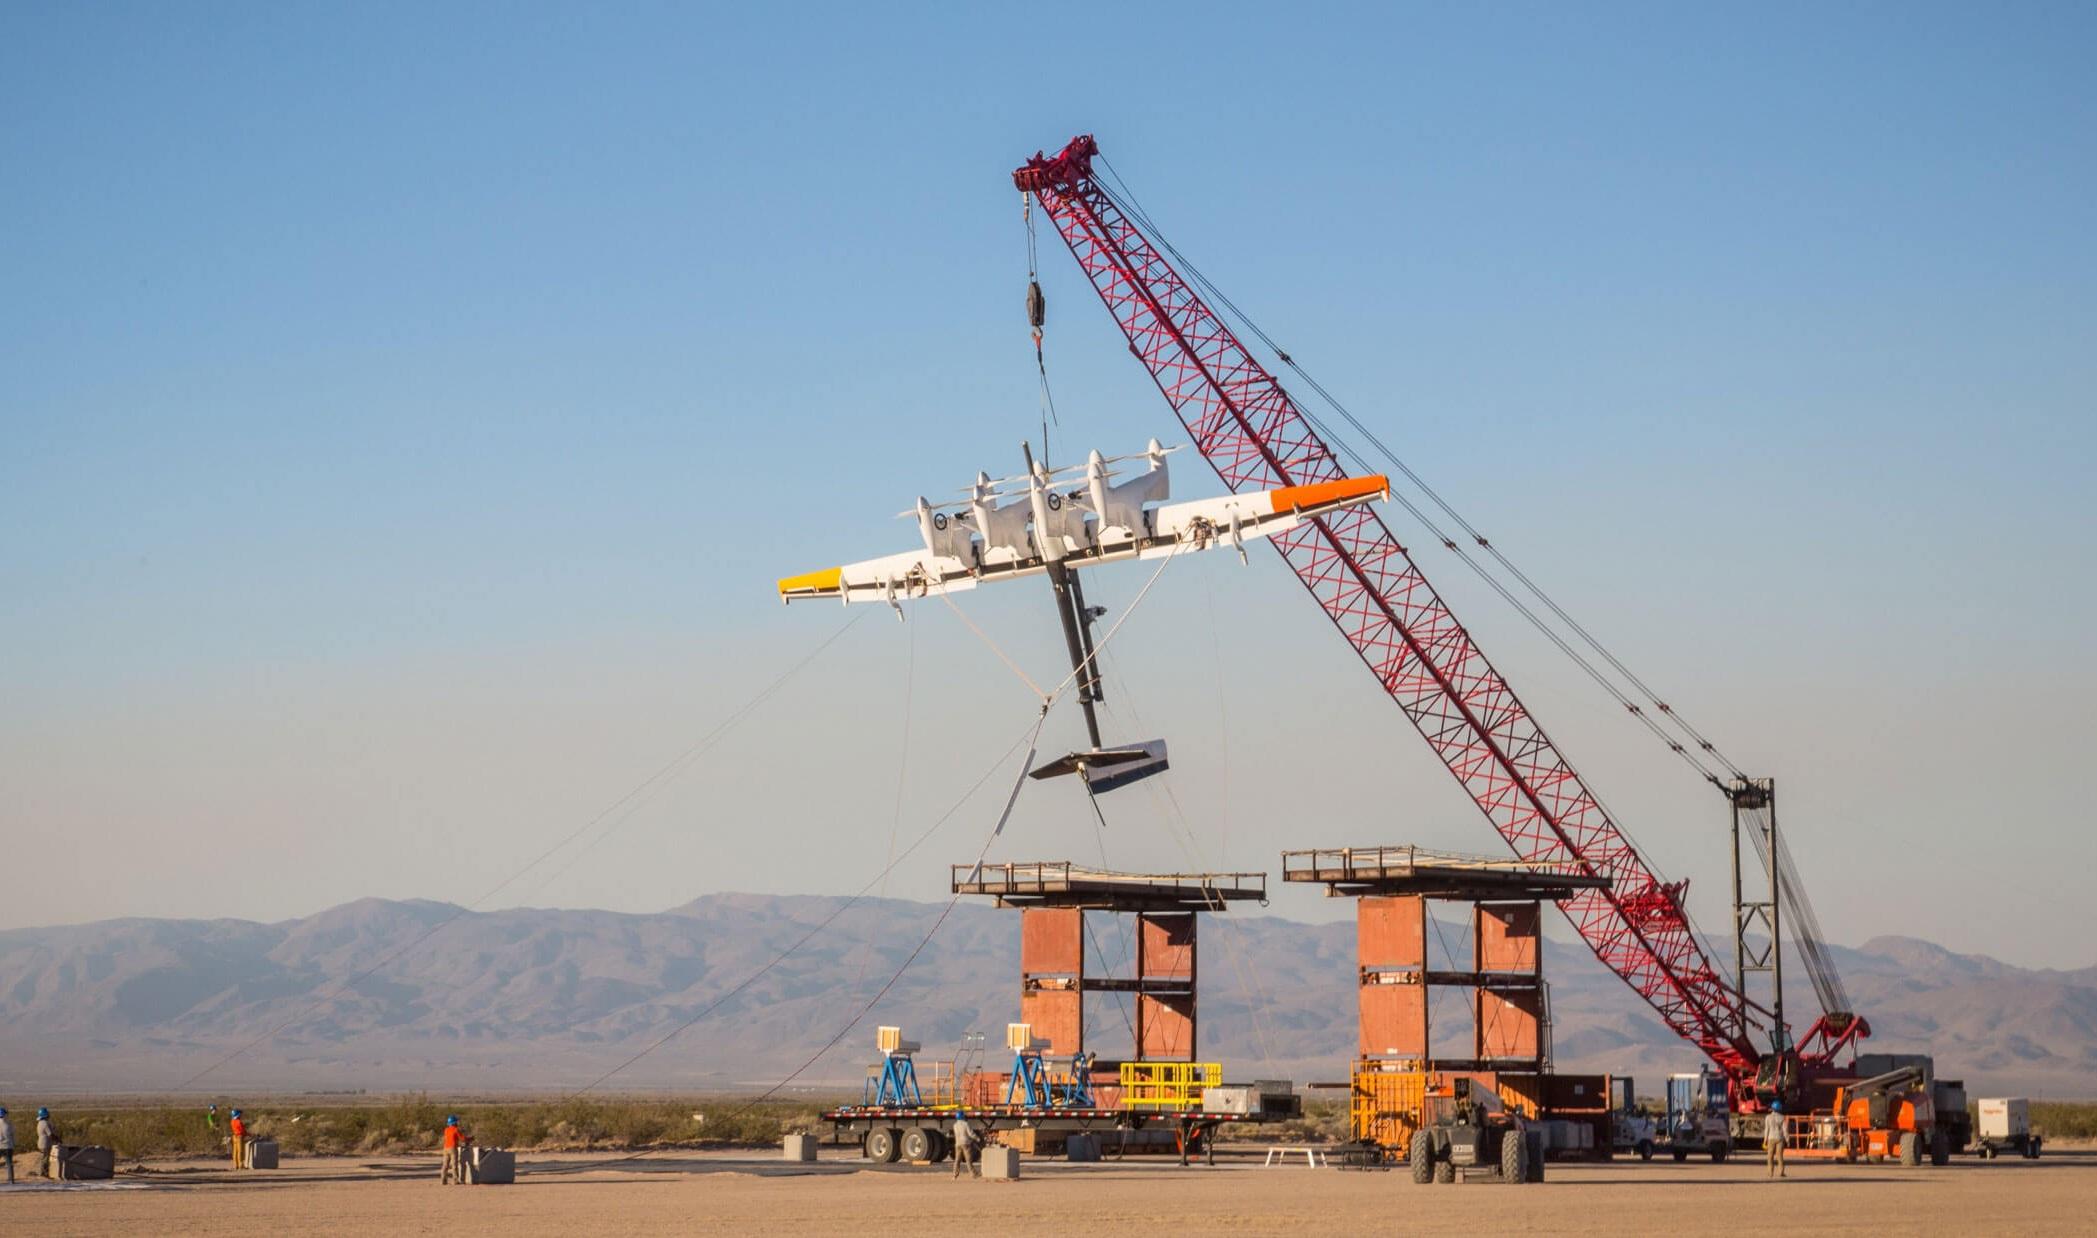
<point x="1805" y="923"/>
<point x="1125" y="200"/>
<point x="1181" y="830"/>
<point x="1037" y="319"/>
<point x="825" y="923"/>
<point x="1048" y="702"/>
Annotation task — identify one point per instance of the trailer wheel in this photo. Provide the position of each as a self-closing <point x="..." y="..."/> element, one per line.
<point x="917" y="1144"/>
<point x="2032" y="1149"/>
<point x="1911" y="1149"/>
<point x="1645" y="1149"/>
<point x="1421" y="1156"/>
<point x="1719" y="1152"/>
<point x="881" y="1145"/>
<point x="941" y="1145"/>
<point x="1940" y="1148"/>
<point x="1514" y="1157"/>
<point x="1445" y="1172"/>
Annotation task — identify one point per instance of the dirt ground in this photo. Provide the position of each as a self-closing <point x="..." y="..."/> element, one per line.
<point x="686" y="1193"/>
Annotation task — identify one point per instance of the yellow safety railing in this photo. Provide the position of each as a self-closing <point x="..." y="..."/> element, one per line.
<point x="1385" y="1104"/>
<point x="1167" y="1085"/>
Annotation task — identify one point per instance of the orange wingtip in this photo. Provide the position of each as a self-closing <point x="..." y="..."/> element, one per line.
<point x="1326" y="493"/>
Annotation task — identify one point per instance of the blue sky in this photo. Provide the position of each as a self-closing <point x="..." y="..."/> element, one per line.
<point x="406" y="409"/>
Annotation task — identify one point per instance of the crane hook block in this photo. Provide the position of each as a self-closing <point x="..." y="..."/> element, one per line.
<point x="1037" y="305"/>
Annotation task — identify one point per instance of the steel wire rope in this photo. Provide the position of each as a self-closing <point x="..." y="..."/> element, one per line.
<point x="825" y="923"/>
<point x="1041" y="719"/>
<point x="1125" y="200"/>
<point x="1099" y="835"/>
<point x="1048" y="397"/>
<point x="1243" y="967"/>
<point x="656" y="781"/>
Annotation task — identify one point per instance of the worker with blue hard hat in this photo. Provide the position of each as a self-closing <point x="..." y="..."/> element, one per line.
<point x="7" y="1144"/>
<point x="454" y="1151"/>
<point x="47" y="1142"/>
<point x="237" y="1126"/>
<point x="1773" y="1138"/>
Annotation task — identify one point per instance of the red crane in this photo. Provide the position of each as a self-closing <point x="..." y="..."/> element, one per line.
<point x="1249" y="429"/>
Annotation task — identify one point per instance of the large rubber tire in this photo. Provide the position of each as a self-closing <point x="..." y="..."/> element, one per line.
<point x="1421" y="1157"/>
<point x="1719" y="1152"/>
<point x="1681" y="1155"/>
<point x="1514" y="1157"/>
<point x="1940" y="1148"/>
<point x="916" y="1144"/>
<point x="1645" y="1149"/>
<point x="2031" y="1152"/>
<point x="1910" y="1149"/>
<point x="881" y="1145"/>
<point x="942" y="1144"/>
<point x="1445" y="1172"/>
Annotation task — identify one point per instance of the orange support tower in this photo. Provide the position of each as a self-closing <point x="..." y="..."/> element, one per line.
<point x="1053" y="898"/>
<point x="1509" y="1047"/>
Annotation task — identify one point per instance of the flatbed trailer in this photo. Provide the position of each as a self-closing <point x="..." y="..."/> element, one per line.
<point x="927" y="1129"/>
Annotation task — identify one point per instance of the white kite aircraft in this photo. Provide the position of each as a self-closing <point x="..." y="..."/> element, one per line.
<point x="1049" y="522"/>
<point x="1077" y="525"/>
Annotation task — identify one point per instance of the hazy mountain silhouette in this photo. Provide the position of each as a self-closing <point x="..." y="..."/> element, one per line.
<point x="543" y="999"/>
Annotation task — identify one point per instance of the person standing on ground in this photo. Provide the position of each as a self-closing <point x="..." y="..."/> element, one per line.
<point x="454" y="1152"/>
<point x="239" y="1127"/>
<point x="47" y="1143"/>
<point x="965" y="1148"/>
<point x="1773" y="1139"/>
<point x="7" y="1144"/>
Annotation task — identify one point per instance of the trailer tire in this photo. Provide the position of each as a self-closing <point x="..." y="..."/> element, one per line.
<point x="2033" y="1153"/>
<point x="881" y="1145"/>
<point x="1421" y="1157"/>
<point x="1940" y="1148"/>
<point x="941" y="1145"/>
<point x="1911" y="1149"/>
<point x="1514" y="1157"/>
<point x="916" y="1144"/>
<point x="1719" y="1152"/>
<point x="1645" y="1149"/>
<point x="1445" y="1172"/>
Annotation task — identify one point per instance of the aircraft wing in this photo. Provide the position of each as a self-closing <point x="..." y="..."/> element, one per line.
<point x="1199" y="524"/>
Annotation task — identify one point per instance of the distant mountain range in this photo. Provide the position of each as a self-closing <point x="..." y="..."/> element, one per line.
<point x="536" y="1000"/>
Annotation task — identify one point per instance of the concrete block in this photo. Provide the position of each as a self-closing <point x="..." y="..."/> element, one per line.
<point x="492" y="1167"/>
<point x="800" y="1147"/>
<point x="262" y="1154"/>
<point x="85" y="1164"/>
<point x="1081" y="1147"/>
<point x="1000" y="1162"/>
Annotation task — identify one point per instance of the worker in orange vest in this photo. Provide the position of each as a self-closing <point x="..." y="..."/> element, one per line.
<point x="238" y="1125"/>
<point x="454" y="1151"/>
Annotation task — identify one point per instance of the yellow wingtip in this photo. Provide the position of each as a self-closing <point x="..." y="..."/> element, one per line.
<point x="825" y="581"/>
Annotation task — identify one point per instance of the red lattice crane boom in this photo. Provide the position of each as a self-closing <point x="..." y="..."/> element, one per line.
<point x="1248" y="428"/>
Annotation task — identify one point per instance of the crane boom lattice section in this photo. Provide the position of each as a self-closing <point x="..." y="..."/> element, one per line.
<point x="1252" y="433"/>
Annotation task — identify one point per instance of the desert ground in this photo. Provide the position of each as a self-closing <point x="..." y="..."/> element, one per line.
<point x="750" y="1193"/>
